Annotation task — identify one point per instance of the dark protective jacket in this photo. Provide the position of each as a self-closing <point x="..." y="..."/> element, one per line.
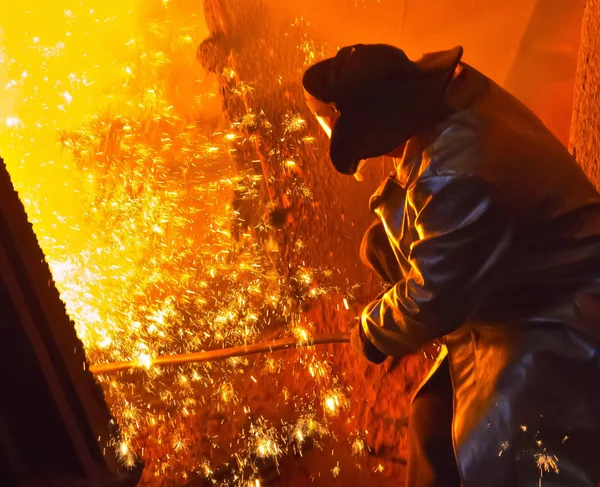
<point x="497" y="232"/>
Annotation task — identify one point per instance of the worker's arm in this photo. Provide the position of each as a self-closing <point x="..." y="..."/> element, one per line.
<point x="464" y="237"/>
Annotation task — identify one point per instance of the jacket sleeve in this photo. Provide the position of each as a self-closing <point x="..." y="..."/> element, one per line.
<point x="464" y="235"/>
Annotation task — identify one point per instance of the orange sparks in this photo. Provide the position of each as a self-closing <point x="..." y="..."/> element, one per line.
<point x="131" y="199"/>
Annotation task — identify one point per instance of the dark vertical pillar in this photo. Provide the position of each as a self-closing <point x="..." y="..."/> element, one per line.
<point x="54" y="422"/>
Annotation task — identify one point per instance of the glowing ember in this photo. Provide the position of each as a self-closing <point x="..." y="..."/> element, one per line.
<point x="12" y="122"/>
<point x="145" y="360"/>
<point x="301" y="334"/>
<point x="332" y="403"/>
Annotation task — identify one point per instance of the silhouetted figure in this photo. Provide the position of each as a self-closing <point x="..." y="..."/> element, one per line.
<point x="493" y="247"/>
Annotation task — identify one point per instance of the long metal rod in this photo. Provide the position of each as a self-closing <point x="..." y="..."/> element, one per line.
<point x="223" y="353"/>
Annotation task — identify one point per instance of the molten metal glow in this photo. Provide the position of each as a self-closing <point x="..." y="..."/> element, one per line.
<point x="325" y="126"/>
<point x="108" y="137"/>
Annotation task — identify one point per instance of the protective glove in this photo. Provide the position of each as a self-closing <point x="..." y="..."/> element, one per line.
<point x="364" y="347"/>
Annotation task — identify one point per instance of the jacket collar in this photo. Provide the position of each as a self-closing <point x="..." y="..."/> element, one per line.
<point x="463" y="93"/>
<point x="407" y="170"/>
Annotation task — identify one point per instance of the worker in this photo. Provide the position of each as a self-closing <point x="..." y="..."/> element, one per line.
<point x="488" y="235"/>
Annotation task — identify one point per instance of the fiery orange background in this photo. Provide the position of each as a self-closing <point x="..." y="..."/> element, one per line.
<point x="114" y="138"/>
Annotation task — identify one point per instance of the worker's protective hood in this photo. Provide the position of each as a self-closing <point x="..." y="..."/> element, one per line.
<point x="373" y="98"/>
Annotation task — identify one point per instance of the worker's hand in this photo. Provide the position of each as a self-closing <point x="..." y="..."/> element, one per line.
<point x="364" y="347"/>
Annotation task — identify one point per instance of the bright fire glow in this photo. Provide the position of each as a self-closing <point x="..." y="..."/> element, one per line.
<point x="106" y="130"/>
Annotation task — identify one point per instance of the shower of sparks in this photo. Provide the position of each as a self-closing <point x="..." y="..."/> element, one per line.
<point x="265" y="440"/>
<point x="359" y="447"/>
<point x="546" y="463"/>
<point x="334" y="402"/>
<point x="127" y="178"/>
<point x="306" y="428"/>
<point x="294" y="123"/>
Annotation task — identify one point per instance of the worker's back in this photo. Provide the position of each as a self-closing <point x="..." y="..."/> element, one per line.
<point x="555" y="209"/>
<point x="524" y="364"/>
